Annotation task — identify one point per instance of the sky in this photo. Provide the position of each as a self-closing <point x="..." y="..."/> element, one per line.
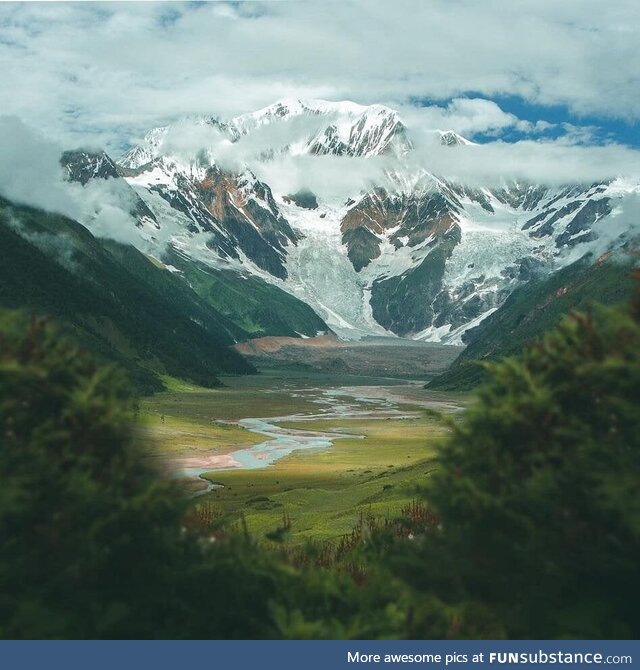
<point x="534" y="80"/>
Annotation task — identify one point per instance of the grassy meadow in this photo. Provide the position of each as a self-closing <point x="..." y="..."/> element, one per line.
<point x="321" y="494"/>
<point x="315" y="494"/>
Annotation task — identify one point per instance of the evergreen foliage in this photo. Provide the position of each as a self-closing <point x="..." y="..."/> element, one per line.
<point x="80" y="517"/>
<point x="530" y="529"/>
<point x="93" y="543"/>
<point x="539" y="490"/>
<point x="534" y="308"/>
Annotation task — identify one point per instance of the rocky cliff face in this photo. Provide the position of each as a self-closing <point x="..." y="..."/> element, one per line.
<point x="86" y="166"/>
<point x="406" y="253"/>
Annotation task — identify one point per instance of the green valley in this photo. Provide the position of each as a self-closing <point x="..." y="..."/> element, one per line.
<point x="383" y="437"/>
<point x="535" y="308"/>
<point x="131" y="309"/>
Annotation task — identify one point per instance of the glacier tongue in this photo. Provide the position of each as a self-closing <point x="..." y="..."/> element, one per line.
<point x="321" y="274"/>
<point x="428" y="256"/>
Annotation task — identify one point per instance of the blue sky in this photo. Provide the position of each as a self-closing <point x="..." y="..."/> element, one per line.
<point x="603" y="129"/>
<point x="101" y="74"/>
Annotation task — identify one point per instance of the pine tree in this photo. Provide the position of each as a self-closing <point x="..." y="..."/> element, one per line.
<point x="539" y="493"/>
<point x="93" y="544"/>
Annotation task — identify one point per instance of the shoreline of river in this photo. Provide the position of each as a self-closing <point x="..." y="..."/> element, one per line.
<point x="281" y="442"/>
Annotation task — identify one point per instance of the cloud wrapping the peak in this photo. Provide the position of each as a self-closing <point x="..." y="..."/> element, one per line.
<point x="102" y="74"/>
<point x="466" y="116"/>
<point x="31" y="174"/>
<point x="278" y="152"/>
<point x="553" y="162"/>
<point x="30" y="170"/>
<point x="110" y="70"/>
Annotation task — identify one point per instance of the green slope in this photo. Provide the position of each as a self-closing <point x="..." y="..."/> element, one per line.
<point x="259" y="308"/>
<point x="116" y="300"/>
<point x="533" y="309"/>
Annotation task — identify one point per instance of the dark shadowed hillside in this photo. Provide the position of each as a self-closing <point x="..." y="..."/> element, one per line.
<point x="533" y="309"/>
<point x="256" y="306"/>
<point x="117" y="300"/>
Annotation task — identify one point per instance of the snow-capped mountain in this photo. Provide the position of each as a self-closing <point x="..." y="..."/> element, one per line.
<point x="339" y="129"/>
<point x="406" y="252"/>
<point x="312" y="127"/>
<point x="432" y="262"/>
<point x="145" y="152"/>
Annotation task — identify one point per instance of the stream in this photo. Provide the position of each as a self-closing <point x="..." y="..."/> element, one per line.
<point x="339" y="403"/>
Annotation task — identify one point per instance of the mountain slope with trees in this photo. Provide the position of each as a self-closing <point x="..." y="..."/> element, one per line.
<point x="114" y="298"/>
<point x="533" y="309"/>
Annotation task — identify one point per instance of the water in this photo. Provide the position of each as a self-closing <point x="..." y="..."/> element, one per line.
<point x="341" y="403"/>
<point x="281" y="442"/>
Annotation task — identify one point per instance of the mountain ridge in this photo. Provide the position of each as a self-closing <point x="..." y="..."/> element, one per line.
<point x="409" y="253"/>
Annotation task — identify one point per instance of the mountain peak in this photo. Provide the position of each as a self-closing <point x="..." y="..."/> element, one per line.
<point x="452" y="139"/>
<point x="295" y="106"/>
<point x="342" y="128"/>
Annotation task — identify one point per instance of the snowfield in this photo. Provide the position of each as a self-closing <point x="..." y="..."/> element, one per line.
<point x="497" y="236"/>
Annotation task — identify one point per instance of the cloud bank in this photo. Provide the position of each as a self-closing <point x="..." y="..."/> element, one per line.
<point x="30" y="170"/>
<point x="31" y="174"/>
<point x="108" y="71"/>
<point x="102" y="74"/>
<point x="271" y="151"/>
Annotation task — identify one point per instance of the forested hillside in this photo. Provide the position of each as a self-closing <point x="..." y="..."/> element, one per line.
<point x="533" y="309"/>
<point x="116" y="300"/>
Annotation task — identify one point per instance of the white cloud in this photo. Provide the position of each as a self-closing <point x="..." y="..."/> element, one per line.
<point x="109" y="71"/>
<point x="103" y="74"/>
<point x="547" y="162"/>
<point x="30" y="170"/>
<point x="331" y="178"/>
<point x="467" y="116"/>
<point x="484" y="165"/>
<point x="31" y="174"/>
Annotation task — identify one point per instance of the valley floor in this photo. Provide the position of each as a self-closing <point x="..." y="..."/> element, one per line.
<point x="302" y="451"/>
